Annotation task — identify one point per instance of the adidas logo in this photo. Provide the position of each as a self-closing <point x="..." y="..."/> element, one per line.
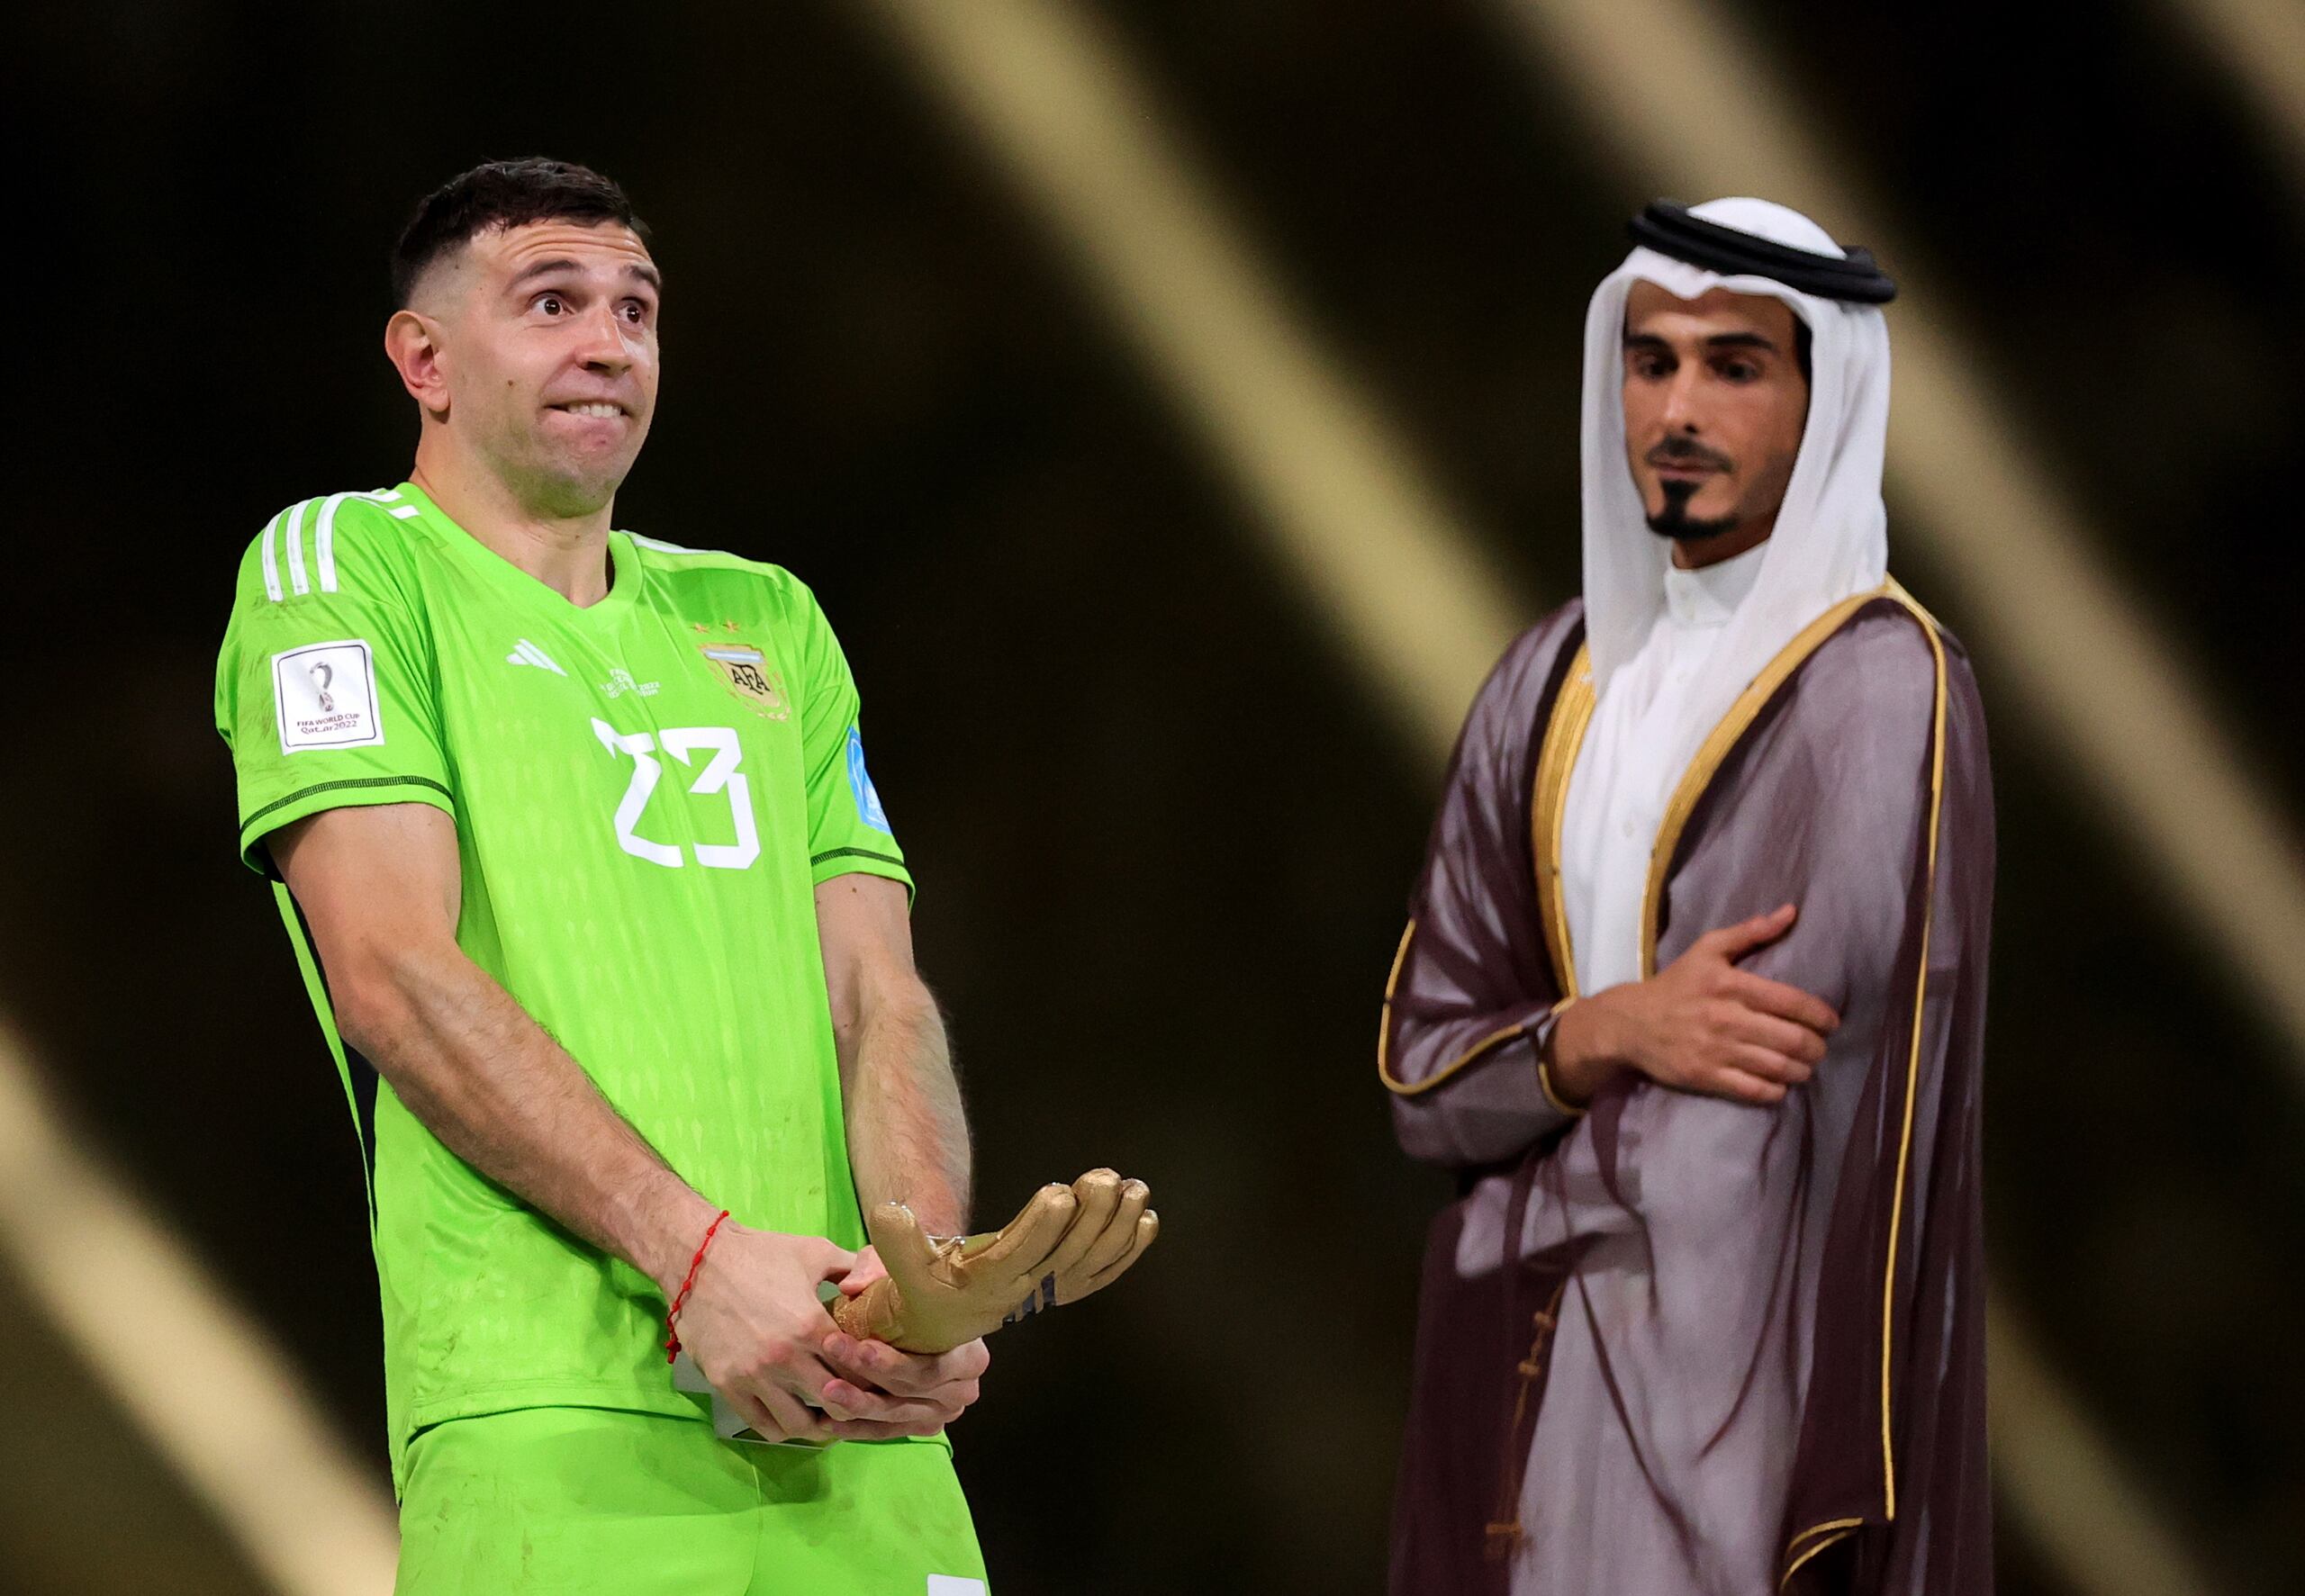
<point x="525" y="653"/>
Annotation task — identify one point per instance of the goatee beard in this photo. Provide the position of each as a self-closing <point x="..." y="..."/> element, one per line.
<point x="1673" y="520"/>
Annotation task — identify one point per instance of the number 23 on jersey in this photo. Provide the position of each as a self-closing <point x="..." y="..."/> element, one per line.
<point x="719" y="776"/>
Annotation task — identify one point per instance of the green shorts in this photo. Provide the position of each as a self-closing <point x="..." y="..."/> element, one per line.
<point x="578" y="1501"/>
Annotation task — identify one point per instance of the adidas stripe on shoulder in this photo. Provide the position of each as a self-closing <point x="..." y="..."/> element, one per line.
<point x="286" y="571"/>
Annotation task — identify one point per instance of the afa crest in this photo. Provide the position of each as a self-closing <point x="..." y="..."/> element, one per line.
<point x="746" y="671"/>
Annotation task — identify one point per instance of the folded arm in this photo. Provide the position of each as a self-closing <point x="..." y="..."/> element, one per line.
<point x="1483" y="1058"/>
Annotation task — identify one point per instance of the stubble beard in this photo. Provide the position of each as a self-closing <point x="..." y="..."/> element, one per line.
<point x="563" y="483"/>
<point x="573" y="491"/>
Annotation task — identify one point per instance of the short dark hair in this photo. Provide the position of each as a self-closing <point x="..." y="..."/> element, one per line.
<point x="503" y="195"/>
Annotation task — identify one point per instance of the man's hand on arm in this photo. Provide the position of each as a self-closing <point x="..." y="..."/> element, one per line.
<point x="756" y="1330"/>
<point x="916" y="1393"/>
<point x="908" y="1139"/>
<point x="380" y="887"/>
<point x="1700" y="1024"/>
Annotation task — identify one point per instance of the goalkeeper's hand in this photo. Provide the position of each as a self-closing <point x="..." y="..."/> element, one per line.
<point x="943" y="1293"/>
<point x="878" y="1383"/>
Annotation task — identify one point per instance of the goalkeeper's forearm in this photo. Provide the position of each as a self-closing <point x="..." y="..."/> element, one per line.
<point x="907" y="1135"/>
<point x="380" y="887"/>
<point x="484" y="1077"/>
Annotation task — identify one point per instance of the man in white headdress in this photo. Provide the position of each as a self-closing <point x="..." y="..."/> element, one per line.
<point x="1692" y="995"/>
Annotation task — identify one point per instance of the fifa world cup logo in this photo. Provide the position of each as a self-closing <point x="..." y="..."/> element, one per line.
<point x="322" y="674"/>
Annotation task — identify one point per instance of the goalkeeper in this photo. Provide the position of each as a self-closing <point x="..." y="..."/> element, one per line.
<point x="607" y="927"/>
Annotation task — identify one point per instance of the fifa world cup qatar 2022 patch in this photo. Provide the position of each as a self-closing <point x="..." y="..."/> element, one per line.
<point x="746" y="671"/>
<point x="324" y="696"/>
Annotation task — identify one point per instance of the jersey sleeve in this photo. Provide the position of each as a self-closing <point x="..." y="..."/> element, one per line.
<point x="849" y="830"/>
<point x="326" y="687"/>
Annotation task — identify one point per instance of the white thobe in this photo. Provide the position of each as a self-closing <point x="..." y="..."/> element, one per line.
<point x="1627" y="770"/>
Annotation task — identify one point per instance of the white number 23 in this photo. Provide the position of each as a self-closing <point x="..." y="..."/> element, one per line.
<point x="720" y="775"/>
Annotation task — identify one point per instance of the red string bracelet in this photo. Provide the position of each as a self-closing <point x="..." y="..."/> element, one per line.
<point x="680" y="1298"/>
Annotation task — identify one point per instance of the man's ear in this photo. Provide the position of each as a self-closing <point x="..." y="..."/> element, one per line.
<point x="412" y="344"/>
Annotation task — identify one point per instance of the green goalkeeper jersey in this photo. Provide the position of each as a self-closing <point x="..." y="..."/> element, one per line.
<point x="646" y="793"/>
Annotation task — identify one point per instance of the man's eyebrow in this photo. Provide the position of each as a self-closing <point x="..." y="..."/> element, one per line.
<point x="647" y="273"/>
<point x="542" y="268"/>
<point x="1719" y="340"/>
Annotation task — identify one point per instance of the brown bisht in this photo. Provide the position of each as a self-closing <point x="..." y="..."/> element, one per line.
<point x="1677" y="1345"/>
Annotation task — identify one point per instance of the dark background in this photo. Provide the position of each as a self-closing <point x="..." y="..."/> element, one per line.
<point x="1163" y="833"/>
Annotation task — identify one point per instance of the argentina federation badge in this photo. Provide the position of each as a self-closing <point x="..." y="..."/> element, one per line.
<point x="746" y="671"/>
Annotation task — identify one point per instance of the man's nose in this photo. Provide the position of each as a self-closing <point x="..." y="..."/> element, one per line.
<point x="608" y="343"/>
<point x="1680" y="410"/>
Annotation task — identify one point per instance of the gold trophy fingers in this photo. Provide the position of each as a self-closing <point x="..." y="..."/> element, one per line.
<point x="1097" y="1197"/>
<point x="1116" y="1246"/>
<point x="1024" y="1243"/>
<point x="1148" y="1230"/>
<point x="907" y="1251"/>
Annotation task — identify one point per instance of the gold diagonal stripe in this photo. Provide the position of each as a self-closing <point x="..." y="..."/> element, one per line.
<point x="218" y="1400"/>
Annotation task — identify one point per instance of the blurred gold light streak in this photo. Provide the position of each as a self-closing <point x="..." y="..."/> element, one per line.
<point x="1396" y="575"/>
<point x="1387" y="563"/>
<point x="204" y="1383"/>
<point x="2261" y="43"/>
<point x="2065" y="1488"/>
<point x="1695" y="108"/>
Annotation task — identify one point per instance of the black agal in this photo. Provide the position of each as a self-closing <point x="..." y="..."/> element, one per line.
<point x="1669" y="228"/>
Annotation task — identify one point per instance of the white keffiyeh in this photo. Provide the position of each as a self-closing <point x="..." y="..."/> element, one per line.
<point x="1668" y="664"/>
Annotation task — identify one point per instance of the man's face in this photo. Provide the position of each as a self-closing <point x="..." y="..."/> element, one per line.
<point x="1714" y="404"/>
<point x="548" y="345"/>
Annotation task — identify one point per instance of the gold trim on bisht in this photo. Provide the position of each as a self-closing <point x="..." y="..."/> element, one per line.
<point x="1711" y="754"/>
<point x="1837" y="1529"/>
<point x="1715" y="749"/>
<point x="1912" y="1061"/>
<point x="1572" y="712"/>
<point x="1572" y="715"/>
<point x="1471" y="1055"/>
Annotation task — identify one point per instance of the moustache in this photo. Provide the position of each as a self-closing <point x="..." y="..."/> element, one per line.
<point x="1688" y="451"/>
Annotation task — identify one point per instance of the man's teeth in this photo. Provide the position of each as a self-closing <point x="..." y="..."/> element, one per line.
<point x="602" y="408"/>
